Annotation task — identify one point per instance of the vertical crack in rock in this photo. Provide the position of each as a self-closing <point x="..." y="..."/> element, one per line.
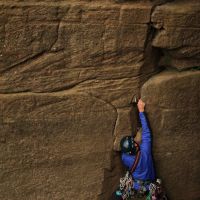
<point x="167" y="94"/>
<point x="144" y="75"/>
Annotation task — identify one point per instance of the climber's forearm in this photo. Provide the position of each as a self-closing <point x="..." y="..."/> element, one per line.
<point x="146" y="133"/>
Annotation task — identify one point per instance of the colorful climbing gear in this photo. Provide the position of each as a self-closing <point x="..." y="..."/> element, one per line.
<point x="126" y="190"/>
<point x="156" y="191"/>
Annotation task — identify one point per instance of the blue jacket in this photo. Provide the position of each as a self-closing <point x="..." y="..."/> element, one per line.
<point x="145" y="168"/>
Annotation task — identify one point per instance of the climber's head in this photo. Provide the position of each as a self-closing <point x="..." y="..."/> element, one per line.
<point x="128" y="145"/>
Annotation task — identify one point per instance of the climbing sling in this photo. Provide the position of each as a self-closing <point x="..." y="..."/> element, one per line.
<point x="137" y="157"/>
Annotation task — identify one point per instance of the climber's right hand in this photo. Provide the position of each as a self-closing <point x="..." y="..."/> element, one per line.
<point x="141" y="105"/>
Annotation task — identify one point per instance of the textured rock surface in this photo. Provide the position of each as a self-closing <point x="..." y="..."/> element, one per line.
<point x="49" y="47"/>
<point x="68" y="72"/>
<point x="178" y="33"/>
<point x="173" y="109"/>
<point x="54" y="146"/>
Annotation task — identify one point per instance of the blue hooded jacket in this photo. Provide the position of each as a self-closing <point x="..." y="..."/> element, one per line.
<point x="145" y="168"/>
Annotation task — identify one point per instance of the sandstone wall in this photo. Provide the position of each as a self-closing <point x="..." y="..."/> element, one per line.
<point x="173" y="111"/>
<point x="68" y="72"/>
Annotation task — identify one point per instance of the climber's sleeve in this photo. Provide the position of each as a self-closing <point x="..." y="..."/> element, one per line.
<point x="146" y="133"/>
<point x="128" y="160"/>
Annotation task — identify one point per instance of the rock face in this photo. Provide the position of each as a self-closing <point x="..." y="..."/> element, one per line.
<point x="173" y="111"/>
<point x="54" y="145"/>
<point x="55" y="47"/>
<point x="68" y="72"/>
<point x="178" y="26"/>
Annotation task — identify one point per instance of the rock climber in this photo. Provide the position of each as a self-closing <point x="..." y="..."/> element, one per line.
<point x="137" y="154"/>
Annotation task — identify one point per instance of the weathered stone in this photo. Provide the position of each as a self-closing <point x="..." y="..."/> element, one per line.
<point x="54" y="146"/>
<point x="123" y="126"/>
<point x="96" y="55"/>
<point x="179" y="63"/>
<point x="25" y="36"/>
<point x="178" y="32"/>
<point x="81" y="30"/>
<point x="173" y="107"/>
<point x="99" y="47"/>
<point x="87" y="59"/>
